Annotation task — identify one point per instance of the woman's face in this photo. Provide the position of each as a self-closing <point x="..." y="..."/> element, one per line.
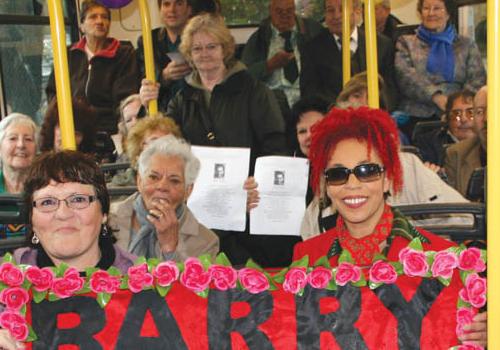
<point x="130" y="112"/>
<point x="58" y="138"/>
<point x="69" y="235"/>
<point x="207" y="53"/>
<point x="96" y="24"/>
<point x="306" y="121"/>
<point x="163" y="181"/>
<point x="361" y="204"/>
<point x="358" y="98"/>
<point x="18" y="146"/>
<point x="434" y="15"/>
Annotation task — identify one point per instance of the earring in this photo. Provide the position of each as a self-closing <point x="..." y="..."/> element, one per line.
<point x="104" y="230"/>
<point x="35" y="240"/>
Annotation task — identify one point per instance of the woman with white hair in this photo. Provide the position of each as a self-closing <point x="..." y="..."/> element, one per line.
<point x="18" y="134"/>
<point x="155" y="221"/>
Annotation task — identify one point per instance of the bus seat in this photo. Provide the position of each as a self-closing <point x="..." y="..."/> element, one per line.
<point x="476" y="186"/>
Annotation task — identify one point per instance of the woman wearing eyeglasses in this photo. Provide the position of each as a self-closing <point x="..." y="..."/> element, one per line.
<point x="355" y="160"/>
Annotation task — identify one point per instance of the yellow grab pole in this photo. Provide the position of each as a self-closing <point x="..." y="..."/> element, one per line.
<point x="148" y="50"/>
<point x="371" y="54"/>
<point x="493" y="187"/>
<point x="346" y="38"/>
<point x="61" y="74"/>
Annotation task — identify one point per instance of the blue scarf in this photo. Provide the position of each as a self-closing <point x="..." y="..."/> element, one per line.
<point x="441" y="58"/>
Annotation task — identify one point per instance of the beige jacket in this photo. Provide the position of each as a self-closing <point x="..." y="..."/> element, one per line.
<point x="194" y="238"/>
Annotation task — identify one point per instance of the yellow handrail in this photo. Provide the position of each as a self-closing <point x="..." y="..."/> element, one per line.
<point x="346" y="40"/>
<point x="371" y="54"/>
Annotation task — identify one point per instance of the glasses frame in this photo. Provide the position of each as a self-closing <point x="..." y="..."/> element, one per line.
<point x="69" y="204"/>
<point x="368" y="172"/>
<point x="458" y="114"/>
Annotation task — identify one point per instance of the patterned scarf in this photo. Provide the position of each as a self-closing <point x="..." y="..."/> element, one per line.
<point x="441" y="58"/>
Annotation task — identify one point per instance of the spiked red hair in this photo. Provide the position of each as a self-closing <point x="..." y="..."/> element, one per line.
<point x="374" y="126"/>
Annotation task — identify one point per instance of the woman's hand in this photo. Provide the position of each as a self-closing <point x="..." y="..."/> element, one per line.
<point x="476" y="331"/>
<point x="7" y="341"/>
<point x="149" y="91"/>
<point x="434" y="167"/>
<point x="162" y="216"/>
<point x="175" y="71"/>
<point x="253" y="198"/>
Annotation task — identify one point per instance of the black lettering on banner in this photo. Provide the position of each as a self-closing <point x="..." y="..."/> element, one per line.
<point x="310" y="322"/>
<point x="220" y="323"/>
<point x="44" y="316"/>
<point x="169" y="334"/>
<point x="410" y="315"/>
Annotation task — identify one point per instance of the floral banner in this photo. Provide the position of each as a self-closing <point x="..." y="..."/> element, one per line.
<point x="421" y="301"/>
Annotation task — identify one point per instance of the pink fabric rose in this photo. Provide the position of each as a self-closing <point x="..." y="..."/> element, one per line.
<point x="15" y="324"/>
<point x="470" y="347"/>
<point x="383" y="272"/>
<point x="295" y="280"/>
<point x="320" y="277"/>
<point x="224" y="277"/>
<point x="444" y="264"/>
<point x="474" y="291"/>
<point x="14" y="298"/>
<point x="194" y="276"/>
<point x="11" y="275"/>
<point x="470" y="260"/>
<point x="253" y="281"/>
<point x="139" y="278"/>
<point x="69" y="284"/>
<point x="414" y="262"/>
<point x="41" y="279"/>
<point x="465" y="316"/>
<point x="166" y="273"/>
<point x="102" y="282"/>
<point x="347" y="272"/>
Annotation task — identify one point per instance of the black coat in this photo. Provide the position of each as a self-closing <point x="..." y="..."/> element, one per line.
<point x="433" y="144"/>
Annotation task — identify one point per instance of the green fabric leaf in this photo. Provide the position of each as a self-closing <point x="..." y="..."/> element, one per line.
<point x="31" y="335"/>
<point x="203" y="293"/>
<point x="379" y="257"/>
<point x="140" y="260"/>
<point x="303" y="262"/>
<point x="222" y="259"/>
<point x="463" y="276"/>
<point x="253" y="265"/>
<point x="39" y="296"/>
<point x="22" y="310"/>
<point x="53" y="297"/>
<point x="206" y="261"/>
<point x="332" y="285"/>
<point x="360" y="283"/>
<point x="323" y="261"/>
<point x="103" y="299"/>
<point x="26" y="284"/>
<point x="280" y="276"/>
<point x="374" y="285"/>
<point x="8" y="258"/>
<point x="61" y="269"/>
<point x="89" y="271"/>
<point x="462" y="303"/>
<point x="397" y="266"/>
<point x="345" y="256"/>
<point x="444" y="281"/>
<point x="163" y="291"/>
<point x="153" y="262"/>
<point x="113" y="271"/>
<point x="416" y="244"/>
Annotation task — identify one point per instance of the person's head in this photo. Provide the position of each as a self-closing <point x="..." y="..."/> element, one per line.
<point x="435" y="14"/>
<point x="174" y="13"/>
<point x="167" y="170"/>
<point x="355" y="92"/>
<point x="481" y="114"/>
<point x="205" y="6"/>
<point x="95" y="19"/>
<point x="129" y="110"/>
<point x="459" y="114"/>
<point x="382" y="11"/>
<point x="220" y="170"/>
<point x="282" y="14"/>
<point x="18" y="141"/>
<point x="84" y="120"/>
<point x="333" y="15"/>
<point x="305" y="113"/>
<point x="68" y="205"/>
<point x="147" y="130"/>
<point x="207" y="43"/>
<point x="354" y="154"/>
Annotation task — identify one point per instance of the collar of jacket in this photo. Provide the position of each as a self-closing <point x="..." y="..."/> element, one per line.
<point x="112" y="46"/>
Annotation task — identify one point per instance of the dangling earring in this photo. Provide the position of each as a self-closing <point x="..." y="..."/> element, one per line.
<point x="104" y="230"/>
<point x="35" y="240"/>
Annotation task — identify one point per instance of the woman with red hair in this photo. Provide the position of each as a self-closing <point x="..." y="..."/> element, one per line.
<point x="355" y="160"/>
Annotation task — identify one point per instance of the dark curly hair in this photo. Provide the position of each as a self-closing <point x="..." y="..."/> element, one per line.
<point x="374" y="126"/>
<point x="84" y="118"/>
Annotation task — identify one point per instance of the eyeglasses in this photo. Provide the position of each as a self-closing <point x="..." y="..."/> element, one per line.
<point x="480" y="112"/>
<point x="365" y="173"/>
<point x="430" y="9"/>
<point x="199" y="48"/>
<point x="75" y="201"/>
<point x="458" y="114"/>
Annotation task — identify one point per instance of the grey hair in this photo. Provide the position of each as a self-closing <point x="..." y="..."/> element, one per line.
<point x="385" y="3"/>
<point x="128" y="100"/>
<point x="17" y="118"/>
<point x="169" y="145"/>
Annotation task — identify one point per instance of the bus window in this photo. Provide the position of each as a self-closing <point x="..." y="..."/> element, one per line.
<point x="472" y="23"/>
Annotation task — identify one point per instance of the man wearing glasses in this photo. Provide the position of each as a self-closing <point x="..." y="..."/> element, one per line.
<point x="462" y="158"/>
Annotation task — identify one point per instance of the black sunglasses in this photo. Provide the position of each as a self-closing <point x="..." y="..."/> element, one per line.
<point x="365" y="173"/>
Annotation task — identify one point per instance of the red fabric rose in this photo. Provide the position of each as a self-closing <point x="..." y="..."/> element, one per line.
<point x="253" y="281"/>
<point x="11" y="275"/>
<point x="465" y="316"/>
<point x="69" y="284"/>
<point x="444" y="264"/>
<point x="319" y="277"/>
<point x="41" y="279"/>
<point x="295" y="280"/>
<point x="166" y="273"/>
<point x="139" y="278"/>
<point x="383" y="272"/>
<point x="414" y="262"/>
<point x="14" y="297"/>
<point x="15" y="323"/>
<point x="347" y="272"/>
<point x="470" y="259"/>
<point x="474" y="291"/>
<point x="194" y="276"/>
<point x="224" y="277"/>
<point x="102" y="282"/>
